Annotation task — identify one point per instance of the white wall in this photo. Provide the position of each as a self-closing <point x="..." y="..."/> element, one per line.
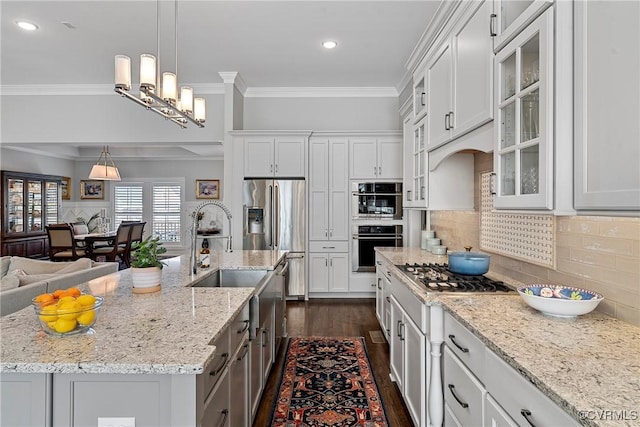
<point x="98" y="118"/>
<point x="330" y="114"/>
<point x="19" y="161"/>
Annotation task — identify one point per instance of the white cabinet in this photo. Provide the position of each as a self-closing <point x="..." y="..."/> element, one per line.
<point x="25" y="399"/>
<point x="328" y="189"/>
<point x="409" y="361"/>
<point x="328" y="272"/>
<point x="523" y="148"/>
<point x="216" y="412"/>
<point x="277" y="156"/>
<point x="375" y="157"/>
<point x="416" y="167"/>
<point x="383" y="300"/>
<point x="463" y="393"/>
<point x="239" y="385"/>
<point x="607" y="59"/>
<point x="512" y="16"/>
<point x="459" y="77"/>
<point x="494" y="415"/>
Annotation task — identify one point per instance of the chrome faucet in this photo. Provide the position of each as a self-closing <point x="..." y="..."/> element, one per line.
<point x="194" y="230"/>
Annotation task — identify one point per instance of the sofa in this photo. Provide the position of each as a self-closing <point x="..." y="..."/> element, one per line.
<point x="22" y="279"/>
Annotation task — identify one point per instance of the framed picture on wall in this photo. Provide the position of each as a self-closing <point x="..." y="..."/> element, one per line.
<point x="65" y="188"/>
<point x="91" y="189"/>
<point x="207" y="188"/>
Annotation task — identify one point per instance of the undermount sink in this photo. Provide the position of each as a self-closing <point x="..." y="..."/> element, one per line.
<point x="232" y="279"/>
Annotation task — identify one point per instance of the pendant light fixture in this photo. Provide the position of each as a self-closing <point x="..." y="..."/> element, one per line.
<point x="103" y="170"/>
<point x="161" y="100"/>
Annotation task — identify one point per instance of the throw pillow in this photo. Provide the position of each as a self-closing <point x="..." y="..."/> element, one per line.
<point x="5" y="261"/>
<point x="33" y="266"/>
<point x="77" y="265"/>
<point x="28" y="279"/>
<point x="9" y="281"/>
<point x="80" y="229"/>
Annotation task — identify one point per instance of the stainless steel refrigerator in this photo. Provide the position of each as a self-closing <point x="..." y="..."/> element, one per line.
<point x="274" y="218"/>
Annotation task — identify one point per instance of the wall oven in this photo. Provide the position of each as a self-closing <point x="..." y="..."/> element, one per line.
<point x="366" y="238"/>
<point x="376" y="200"/>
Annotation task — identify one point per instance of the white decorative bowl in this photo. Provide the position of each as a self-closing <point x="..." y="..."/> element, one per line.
<point x="560" y="301"/>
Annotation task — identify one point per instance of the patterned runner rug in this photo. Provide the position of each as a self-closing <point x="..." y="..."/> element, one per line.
<point x="327" y="381"/>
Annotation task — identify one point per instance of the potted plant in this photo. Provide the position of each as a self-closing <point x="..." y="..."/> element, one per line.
<point x="146" y="267"/>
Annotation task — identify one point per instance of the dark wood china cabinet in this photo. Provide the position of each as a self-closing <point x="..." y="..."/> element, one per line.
<point x="29" y="203"/>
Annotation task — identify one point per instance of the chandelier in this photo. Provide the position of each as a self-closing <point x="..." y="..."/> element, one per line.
<point x="103" y="170"/>
<point x="161" y="100"/>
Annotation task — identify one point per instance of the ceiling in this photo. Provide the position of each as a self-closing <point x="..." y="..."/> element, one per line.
<point x="270" y="43"/>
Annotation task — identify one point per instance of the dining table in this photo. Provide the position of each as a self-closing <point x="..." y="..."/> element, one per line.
<point x="96" y="239"/>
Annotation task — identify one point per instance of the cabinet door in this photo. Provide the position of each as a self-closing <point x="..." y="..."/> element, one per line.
<point x="258" y="157"/>
<point x="523" y="150"/>
<point x="607" y="60"/>
<point x="396" y="344"/>
<point x="415" y="372"/>
<point x="339" y="272"/>
<point x="407" y="162"/>
<point x="255" y="371"/>
<point x="473" y="77"/>
<point x="363" y="158"/>
<point x="239" y="386"/>
<point x="512" y="16"/>
<point x="380" y="296"/>
<point x="318" y="189"/>
<point x="24" y="399"/>
<point x="338" y="189"/>
<point x="495" y="416"/>
<point x="390" y="159"/>
<point x="318" y="273"/>
<point x="439" y="84"/>
<point x="289" y="157"/>
<point x="14" y="202"/>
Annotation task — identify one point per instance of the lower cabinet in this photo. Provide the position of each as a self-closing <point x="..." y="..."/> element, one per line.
<point x="328" y="272"/>
<point x="217" y="411"/>
<point x="409" y="361"/>
<point x="25" y="399"/>
<point x="239" y="386"/>
<point x="495" y="416"/>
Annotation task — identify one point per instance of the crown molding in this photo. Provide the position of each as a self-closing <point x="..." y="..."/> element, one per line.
<point x="321" y="92"/>
<point x="94" y="89"/>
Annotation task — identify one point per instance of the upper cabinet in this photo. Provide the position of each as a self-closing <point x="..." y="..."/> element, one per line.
<point x="523" y="151"/>
<point x="274" y="156"/>
<point x="459" y="77"/>
<point x="375" y="157"/>
<point x="30" y="202"/>
<point x="606" y="88"/>
<point x="510" y="17"/>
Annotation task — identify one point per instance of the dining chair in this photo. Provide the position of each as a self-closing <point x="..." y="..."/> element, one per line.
<point x="62" y="245"/>
<point x="117" y="249"/>
<point x="79" y="227"/>
<point x="137" y="231"/>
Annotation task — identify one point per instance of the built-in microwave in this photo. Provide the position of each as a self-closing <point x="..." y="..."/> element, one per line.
<point x="376" y="200"/>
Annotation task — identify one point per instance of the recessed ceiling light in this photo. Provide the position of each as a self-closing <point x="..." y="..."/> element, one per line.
<point x="26" y="25"/>
<point x="329" y="44"/>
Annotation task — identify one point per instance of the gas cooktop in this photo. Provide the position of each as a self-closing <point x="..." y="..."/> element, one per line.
<point x="437" y="278"/>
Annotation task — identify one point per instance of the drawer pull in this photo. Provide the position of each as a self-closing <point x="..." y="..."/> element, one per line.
<point x="453" y="340"/>
<point x="452" y="390"/>
<point x="527" y="416"/>
<point x="223" y="362"/>
<point x="246" y="350"/>
<point x="246" y="326"/>
<point x="225" y="414"/>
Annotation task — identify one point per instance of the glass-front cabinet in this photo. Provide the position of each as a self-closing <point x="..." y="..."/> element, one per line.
<point x="419" y="166"/>
<point x="512" y="16"/>
<point x="524" y="110"/>
<point x="30" y="203"/>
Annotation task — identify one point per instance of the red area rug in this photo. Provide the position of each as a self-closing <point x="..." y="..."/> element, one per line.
<point x="327" y="381"/>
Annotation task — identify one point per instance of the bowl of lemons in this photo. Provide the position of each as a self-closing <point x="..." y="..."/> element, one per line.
<point x="67" y="312"/>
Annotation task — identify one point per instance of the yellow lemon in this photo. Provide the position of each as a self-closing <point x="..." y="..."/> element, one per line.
<point x="65" y="299"/>
<point x="86" y="300"/>
<point x="49" y="313"/>
<point x="52" y="325"/>
<point x="69" y="310"/>
<point x="65" y="325"/>
<point x="87" y="317"/>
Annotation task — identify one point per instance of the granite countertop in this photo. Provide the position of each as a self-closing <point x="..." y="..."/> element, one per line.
<point x="166" y="332"/>
<point x="589" y="363"/>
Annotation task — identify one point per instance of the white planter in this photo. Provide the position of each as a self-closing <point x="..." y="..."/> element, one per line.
<point x="146" y="280"/>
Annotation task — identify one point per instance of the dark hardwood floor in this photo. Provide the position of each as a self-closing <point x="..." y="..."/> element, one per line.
<point x="335" y="317"/>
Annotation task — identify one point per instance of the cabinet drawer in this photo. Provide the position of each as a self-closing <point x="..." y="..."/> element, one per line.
<point x="329" y="246"/>
<point x="215" y="367"/>
<point x="416" y="309"/>
<point x="462" y="391"/>
<point x="238" y="327"/>
<point x="528" y="402"/>
<point x="469" y="349"/>
<point x="450" y="419"/>
<point x="216" y="407"/>
<point x="495" y="416"/>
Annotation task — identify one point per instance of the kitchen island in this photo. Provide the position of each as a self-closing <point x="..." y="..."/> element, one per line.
<point x="589" y="366"/>
<point x="168" y="336"/>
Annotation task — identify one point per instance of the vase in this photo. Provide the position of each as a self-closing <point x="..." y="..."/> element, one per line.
<point x="146" y="280"/>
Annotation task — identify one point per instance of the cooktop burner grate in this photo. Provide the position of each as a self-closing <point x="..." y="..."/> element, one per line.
<point x="438" y="278"/>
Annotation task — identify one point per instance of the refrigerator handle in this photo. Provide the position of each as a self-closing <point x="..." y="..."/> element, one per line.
<point x="271" y="216"/>
<point x="276" y="207"/>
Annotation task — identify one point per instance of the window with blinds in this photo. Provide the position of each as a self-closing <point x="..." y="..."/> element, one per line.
<point x="158" y="204"/>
